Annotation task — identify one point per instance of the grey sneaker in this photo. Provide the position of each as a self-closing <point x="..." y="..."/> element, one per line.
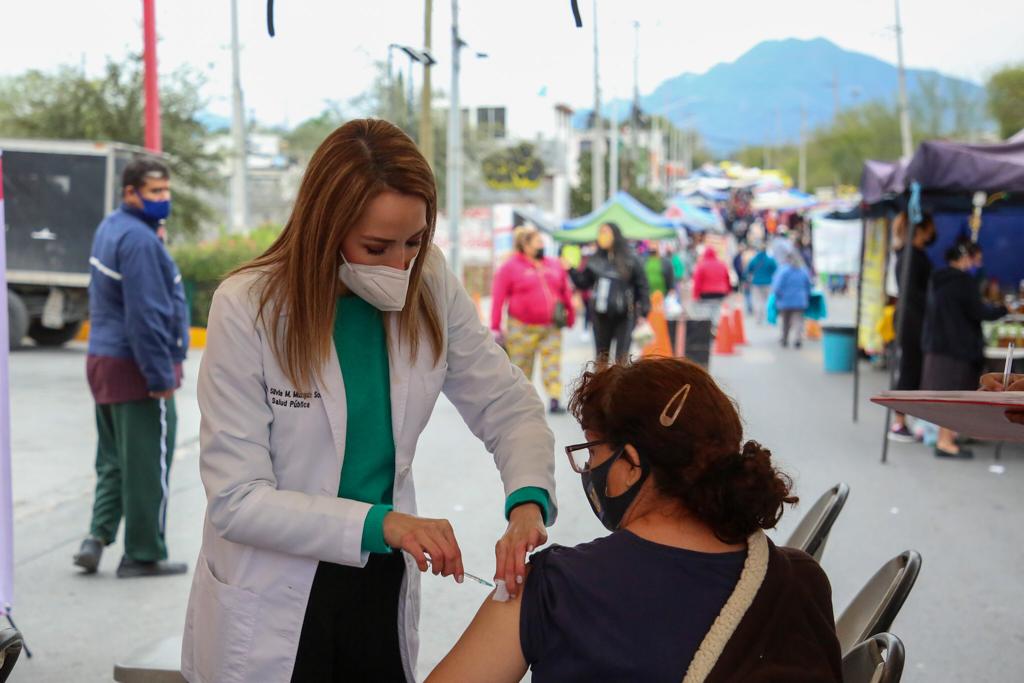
<point x="88" y="555"/>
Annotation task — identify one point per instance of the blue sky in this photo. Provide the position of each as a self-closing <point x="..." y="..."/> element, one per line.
<point x="325" y="49"/>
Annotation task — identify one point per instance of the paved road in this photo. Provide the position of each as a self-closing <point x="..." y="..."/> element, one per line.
<point x="962" y="622"/>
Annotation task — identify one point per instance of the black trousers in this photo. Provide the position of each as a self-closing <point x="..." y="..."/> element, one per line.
<point x="350" y="631"/>
<point x="609" y="328"/>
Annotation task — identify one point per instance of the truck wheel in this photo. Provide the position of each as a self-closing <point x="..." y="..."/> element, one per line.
<point x="17" y="319"/>
<point x="45" y="336"/>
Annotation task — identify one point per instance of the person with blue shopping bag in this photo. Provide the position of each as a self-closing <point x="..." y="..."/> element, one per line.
<point x="791" y="288"/>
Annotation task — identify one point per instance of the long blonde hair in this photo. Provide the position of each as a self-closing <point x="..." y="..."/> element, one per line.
<point x="299" y="272"/>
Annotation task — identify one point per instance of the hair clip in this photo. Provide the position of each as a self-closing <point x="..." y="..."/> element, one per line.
<point x="667" y="420"/>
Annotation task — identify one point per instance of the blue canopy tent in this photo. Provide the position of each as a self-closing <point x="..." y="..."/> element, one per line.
<point x="693" y="217"/>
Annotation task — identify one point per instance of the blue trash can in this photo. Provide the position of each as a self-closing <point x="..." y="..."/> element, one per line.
<point x="839" y="343"/>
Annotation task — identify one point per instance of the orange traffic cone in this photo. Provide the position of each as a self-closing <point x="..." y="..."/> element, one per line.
<point x="660" y="345"/>
<point x="725" y="345"/>
<point x="737" y="326"/>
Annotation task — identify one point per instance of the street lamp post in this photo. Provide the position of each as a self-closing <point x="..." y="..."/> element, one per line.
<point x="454" y="162"/>
<point x="905" y="135"/>
<point x="239" y="182"/>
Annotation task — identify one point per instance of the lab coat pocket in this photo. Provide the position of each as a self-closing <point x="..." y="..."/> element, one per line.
<point x="223" y="629"/>
<point x="426" y="389"/>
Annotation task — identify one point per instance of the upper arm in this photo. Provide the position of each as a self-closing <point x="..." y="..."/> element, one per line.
<point x="489" y="651"/>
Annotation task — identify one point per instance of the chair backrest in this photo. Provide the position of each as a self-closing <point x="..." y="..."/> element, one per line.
<point x="878" y="659"/>
<point x="874" y="608"/>
<point x="812" y="532"/>
<point x="10" y="650"/>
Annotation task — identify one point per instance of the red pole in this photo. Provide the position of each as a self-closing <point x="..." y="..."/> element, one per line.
<point x="153" y="136"/>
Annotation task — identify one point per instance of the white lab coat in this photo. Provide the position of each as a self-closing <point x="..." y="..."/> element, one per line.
<point x="271" y="464"/>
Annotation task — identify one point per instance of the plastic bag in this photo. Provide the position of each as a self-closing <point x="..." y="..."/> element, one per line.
<point x="673" y="306"/>
<point x="643" y="334"/>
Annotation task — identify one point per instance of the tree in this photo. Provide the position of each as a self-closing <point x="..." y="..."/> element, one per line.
<point x="579" y="197"/>
<point x="306" y="137"/>
<point x="67" y="104"/>
<point x="1006" y="99"/>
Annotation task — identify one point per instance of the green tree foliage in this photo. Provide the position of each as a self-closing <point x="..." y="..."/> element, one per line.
<point x="306" y="137"/>
<point x="1006" y="99"/>
<point x="836" y="152"/>
<point x="580" y="196"/>
<point x="68" y="105"/>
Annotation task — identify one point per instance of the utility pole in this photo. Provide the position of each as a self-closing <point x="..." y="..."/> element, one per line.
<point x="836" y="105"/>
<point x="688" y="140"/>
<point x="802" y="172"/>
<point x="410" y="97"/>
<point x="613" y="162"/>
<point x="597" y="148"/>
<point x="152" y="91"/>
<point x="905" y="136"/>
<point x="454" y="170"/>
<point x="634" y="145"/>
<point x="239" y="200"/>
<point x="427" y="95"/>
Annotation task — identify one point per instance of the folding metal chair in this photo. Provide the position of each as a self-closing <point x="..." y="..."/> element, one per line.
<point x="812" y="532"/>
<point x="878" y="659"/>
<point x="874" y="608"/>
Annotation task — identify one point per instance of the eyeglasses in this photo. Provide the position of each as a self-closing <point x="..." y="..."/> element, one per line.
<point x="580" y="455"/>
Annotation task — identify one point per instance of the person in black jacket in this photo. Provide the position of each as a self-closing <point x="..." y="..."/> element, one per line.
<point x="953" y="344"/>
<point x="910" y="359"/>
<point x="621" y="295"/>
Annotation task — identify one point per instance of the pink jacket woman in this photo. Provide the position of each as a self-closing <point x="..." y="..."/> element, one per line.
<point x="530" y="287"/>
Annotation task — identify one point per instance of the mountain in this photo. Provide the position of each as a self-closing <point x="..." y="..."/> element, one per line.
<point x="757" y="98"/>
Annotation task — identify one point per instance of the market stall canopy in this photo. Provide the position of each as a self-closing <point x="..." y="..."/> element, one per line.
<point x="952" y="167"/>
<point x="789" y="200"/>
<point x="882" y="179"/>
<point x="636" y="221"/>
<point x="693" y="217"/>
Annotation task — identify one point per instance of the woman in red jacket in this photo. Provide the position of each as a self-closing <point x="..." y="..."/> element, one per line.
<point x="539" y="300"/>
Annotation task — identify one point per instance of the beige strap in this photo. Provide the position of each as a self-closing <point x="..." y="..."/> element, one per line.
<point x="754" y="570"/>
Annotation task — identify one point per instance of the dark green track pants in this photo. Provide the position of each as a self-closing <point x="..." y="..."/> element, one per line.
<point x="133" y="461"/>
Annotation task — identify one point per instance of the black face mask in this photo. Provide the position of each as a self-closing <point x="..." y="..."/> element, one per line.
<point x="610" y="510"/>
<point x="931" y="240"/>
<point x="538" y="254"/>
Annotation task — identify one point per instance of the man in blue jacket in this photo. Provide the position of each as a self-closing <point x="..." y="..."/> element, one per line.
<point x="137" y="342"/>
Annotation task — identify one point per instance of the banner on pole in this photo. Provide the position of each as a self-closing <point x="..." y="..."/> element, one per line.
<point x="872" y="287"/>
<point x="6" y="499"/>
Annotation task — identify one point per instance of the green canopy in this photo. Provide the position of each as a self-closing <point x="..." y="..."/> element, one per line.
<point x="636" y="221"/>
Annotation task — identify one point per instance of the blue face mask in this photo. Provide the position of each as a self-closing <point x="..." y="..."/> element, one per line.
<point x="154" y="210"/>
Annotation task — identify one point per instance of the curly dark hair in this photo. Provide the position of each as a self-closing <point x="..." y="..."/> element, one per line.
<point x="698" y="460"/>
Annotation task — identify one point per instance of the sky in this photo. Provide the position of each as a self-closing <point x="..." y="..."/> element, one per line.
<point x="326" y="49"/>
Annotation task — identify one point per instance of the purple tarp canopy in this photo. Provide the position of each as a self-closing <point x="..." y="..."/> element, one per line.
<point x="955" y="167"/>
<point x="881" y="179"/>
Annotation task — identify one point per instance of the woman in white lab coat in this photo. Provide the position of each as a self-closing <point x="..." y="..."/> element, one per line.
<point x="325" y="357"/>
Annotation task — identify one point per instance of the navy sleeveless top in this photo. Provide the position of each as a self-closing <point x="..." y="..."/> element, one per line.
<point x="621" y="608"/>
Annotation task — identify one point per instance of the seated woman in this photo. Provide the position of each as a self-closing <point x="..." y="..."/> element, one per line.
<point x="687" y="587"/>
